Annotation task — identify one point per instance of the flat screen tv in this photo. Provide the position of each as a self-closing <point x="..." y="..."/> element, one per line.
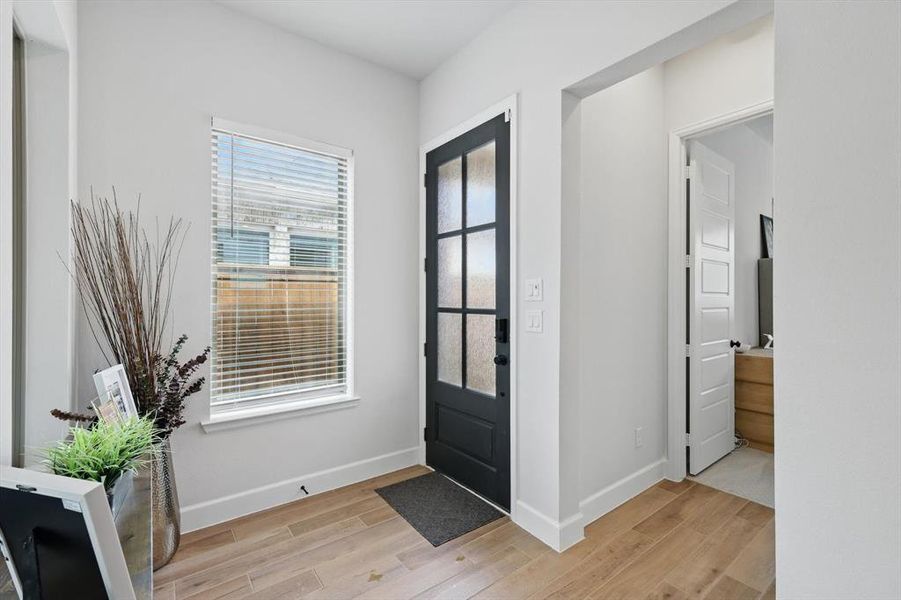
<point x="58" y="538"/>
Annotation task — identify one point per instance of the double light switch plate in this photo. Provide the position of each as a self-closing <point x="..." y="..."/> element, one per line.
<point x="534" y="292"/>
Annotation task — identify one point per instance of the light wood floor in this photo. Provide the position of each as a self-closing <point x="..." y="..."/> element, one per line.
<point x="672" y="541"/>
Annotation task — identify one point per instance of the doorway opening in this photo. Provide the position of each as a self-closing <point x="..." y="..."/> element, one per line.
<point x="626" y="242"/>
<point x="728" y="218"/>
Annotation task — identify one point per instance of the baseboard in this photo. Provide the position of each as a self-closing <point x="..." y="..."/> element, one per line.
<point x="605" y="500"/>
<point x="559" y="535"/>
<point x="204" y="514"/>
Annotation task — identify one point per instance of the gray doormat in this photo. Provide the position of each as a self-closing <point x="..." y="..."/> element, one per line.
<point x="436" y="507"/>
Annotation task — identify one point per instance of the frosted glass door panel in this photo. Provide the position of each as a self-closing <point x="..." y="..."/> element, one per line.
<point x="450" y="348"/>
<point x="480" y="188"/>
<point x="480" y="347"/>
<point x="450" y="195"/>
<point x="480" y="269"/>
<point x="450" y="272"/>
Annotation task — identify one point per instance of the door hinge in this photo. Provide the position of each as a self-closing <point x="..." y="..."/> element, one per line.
<point x="687" y="349"/>
<point x="690" y="171"/>
<point x="425" y="434"/>
<point x="688" y="439"/>
<point x="425" y="264"/>
<point x="425" y="349"/>
<point x="688" y="261"/>
<point x="507" y="116"/>
<point x="425" y="180"/>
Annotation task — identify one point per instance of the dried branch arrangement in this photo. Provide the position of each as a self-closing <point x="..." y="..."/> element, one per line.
<point x="174" y="384"/>
<point x="124" y="280"/>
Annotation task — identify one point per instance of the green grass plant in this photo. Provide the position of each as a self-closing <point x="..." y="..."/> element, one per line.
<point x="105" y="451"/>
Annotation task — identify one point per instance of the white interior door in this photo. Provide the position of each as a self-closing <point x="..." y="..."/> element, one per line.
<point x="711" y="389"/>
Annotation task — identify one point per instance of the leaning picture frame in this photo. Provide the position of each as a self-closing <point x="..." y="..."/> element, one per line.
<point x="114" y="399"/>
<point x="59" y="538"/>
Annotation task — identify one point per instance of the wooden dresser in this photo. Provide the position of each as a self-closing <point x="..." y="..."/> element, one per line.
<point x="754" y="397"/>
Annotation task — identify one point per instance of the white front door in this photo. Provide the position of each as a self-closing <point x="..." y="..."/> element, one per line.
<point x="711" y="297"/>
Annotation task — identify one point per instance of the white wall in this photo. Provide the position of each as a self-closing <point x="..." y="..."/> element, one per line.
<point x="51" y="136"/>
<point x="621" y="321"/>
<point x="732" y="72"/>
<point x="46" y="238"/>
<point x="152" y="75"/>
<point x="752" y="155"/>
<point x="837" y="297"/>
<point x="622" y="317"/>
<point x="536" y="50"/>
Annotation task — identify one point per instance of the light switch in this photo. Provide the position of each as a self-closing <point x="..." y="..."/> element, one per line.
<point x="534" y="290"/>
<point x="534" y="321"/>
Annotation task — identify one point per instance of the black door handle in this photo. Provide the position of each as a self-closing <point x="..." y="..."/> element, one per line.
<point x="500" y="360"/>
<point x="734" y="343"/>
<point x="500" y="331"/>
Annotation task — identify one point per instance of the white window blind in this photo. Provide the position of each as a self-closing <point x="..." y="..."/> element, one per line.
<point x="280" y="297"/>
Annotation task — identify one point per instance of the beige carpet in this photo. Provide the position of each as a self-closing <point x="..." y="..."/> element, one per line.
<point x="746" y="472"/>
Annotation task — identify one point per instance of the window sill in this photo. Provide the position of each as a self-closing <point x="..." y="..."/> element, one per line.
<point x="261" y="414"/>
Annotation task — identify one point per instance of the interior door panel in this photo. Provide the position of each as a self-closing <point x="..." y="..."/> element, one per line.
<point x="711" y="393"/>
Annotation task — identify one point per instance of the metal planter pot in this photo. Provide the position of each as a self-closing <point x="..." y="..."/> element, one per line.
<point x="164" y="508"/>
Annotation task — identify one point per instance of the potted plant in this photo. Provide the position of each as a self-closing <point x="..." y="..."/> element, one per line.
<point x="124" y="278"/>
<point x="104" y="452"/>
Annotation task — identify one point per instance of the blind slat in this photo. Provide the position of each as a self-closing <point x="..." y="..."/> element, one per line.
<point x="279" y="272"/>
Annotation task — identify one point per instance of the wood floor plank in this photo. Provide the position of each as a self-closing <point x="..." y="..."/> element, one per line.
<point x="259" y="524"/>
<point x="488" y="545"/>
<point x="672" y="541"/>
<point x="192" y="537"/>
<point x="201" y="562"/>
<point x="336" y="515"/>
<point x="676" y="487"/>
<point x="603" y="564"/>
<point x="238" y="587"/>
<point x="365" y="562"/>
<point x="163" y="592"/>
<point x="425" y="553"/>
<point x="756" y="513"/>
<point x="269" y="572"/>
<point x="629" y="514"/>
<point x="700" y="570"/>
<point x="202" y="545"/>
<point x="359" y="583"/>
<point x="300" y="586"/>
<point x="530" y="545"/>
<point x="674" y="513"/>
<point x="756" y="565"/>
<point x="377" y="515"/>
<point x="411" y="583"/>
<point x="270" y="556"/>
<point x="719" y="510"/>
<point x="652" y="567"/>
<point x="666" y="591"/>
<point x="536" y="574"/>
<point x="727" y="588"/>
<point x="477" y="577"/>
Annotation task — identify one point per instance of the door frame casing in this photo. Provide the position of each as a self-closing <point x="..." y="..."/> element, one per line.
<point x="507" y="105"/>
<point x="677" y="397"/>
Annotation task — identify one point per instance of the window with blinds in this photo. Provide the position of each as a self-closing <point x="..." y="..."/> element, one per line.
<point x="280" y="260"/>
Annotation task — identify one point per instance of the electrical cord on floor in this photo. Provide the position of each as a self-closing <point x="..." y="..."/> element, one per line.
<point x="740" y="441"/>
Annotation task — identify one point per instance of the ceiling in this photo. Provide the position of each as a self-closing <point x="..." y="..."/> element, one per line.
<point x="411" y="37"/>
